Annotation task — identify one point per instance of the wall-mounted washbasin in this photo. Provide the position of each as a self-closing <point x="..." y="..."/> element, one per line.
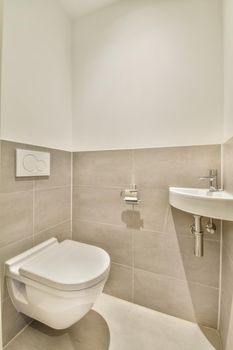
<point x="203" y="202"/>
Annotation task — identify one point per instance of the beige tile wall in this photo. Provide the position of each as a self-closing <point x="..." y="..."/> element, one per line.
<point x="226" y="314"/>
<point x="31" y="210"/>
<point x="150" y="247"/>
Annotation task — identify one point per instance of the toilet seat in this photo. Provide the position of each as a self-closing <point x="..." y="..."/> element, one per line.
<point x="68" y="266"/>
<point x="57" y="283"/>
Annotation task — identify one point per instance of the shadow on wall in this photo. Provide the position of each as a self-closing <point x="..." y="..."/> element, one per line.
<point x="226" y="315"/>
<point x="91" y="332"/>
<point x="202" y="274"/>
<point x="226" y="319"/>
<point x="132" y="219"/>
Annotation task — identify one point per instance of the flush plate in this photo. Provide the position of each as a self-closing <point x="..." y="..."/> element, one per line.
<point x="32" y="163"/>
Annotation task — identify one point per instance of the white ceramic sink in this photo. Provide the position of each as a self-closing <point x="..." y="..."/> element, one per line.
<point x="217" y="205"/>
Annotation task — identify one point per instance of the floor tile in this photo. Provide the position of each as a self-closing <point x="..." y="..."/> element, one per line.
<point x="115" y="324"/>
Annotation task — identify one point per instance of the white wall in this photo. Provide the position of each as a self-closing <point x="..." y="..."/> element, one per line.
<point x="228" y="69"/>
<point x="148" y="74"/>
<point x="36" y="84"/>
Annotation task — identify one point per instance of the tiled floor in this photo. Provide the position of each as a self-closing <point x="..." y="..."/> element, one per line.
<point x="115" y="324"/>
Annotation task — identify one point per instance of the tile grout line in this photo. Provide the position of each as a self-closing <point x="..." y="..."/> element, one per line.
<point x="33" y="212"/>
<point x="71" y="192"/>
<point x="51" y="227"/>
<point x="36" y="233"/>
<point x="221" y="249"/>
<point x="133" y="267"/>
<point x="166" y="218"/>
<point x="170" y="277"/>
<point x="220" y="280"/>
<point x="133" y="180"/>
<point x="221" y="246"/>
<point x="165" y="233"/>
<point x="51" y="188"/>
<point x="18" y="334"/>
<point x="222" y="164"/>
<point x="36" y="190"/>
<point x="101" y="187"/>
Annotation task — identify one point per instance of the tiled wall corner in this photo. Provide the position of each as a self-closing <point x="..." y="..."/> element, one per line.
<point x="32" y="210"/>
<point x="150" y="247"/>
<point x="226" y="310"/>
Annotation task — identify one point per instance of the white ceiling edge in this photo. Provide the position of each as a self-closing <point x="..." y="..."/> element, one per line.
<point x="79" y="8"/>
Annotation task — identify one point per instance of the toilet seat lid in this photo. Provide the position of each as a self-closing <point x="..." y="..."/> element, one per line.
<point x="68" y="266"/>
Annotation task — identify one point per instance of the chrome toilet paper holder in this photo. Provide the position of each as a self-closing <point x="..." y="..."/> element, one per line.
<point x="131" y="195"/>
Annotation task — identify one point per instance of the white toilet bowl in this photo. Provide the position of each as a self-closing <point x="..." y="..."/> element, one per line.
<point x="57" y="283"/>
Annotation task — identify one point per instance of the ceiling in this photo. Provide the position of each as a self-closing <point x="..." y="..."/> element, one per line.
<point x="78" y="8"/>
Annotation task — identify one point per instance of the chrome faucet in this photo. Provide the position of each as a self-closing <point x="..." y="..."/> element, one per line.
<point x="213" y="180"/>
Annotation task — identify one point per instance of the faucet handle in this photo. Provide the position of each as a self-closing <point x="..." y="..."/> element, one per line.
<point x="212" y="175"/>
<point x="213" y="178"/>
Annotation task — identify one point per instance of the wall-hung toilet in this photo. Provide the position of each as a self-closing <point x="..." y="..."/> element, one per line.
<point x="57" y="283"/>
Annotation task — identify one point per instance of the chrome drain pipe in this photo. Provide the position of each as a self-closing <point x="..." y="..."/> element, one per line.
<point x="196" y="230"/>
